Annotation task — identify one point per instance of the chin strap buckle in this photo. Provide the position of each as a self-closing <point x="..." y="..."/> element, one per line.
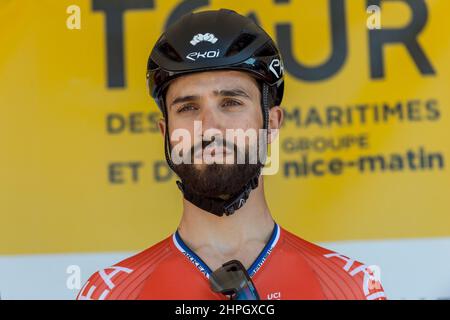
<point x="240" y="200"/>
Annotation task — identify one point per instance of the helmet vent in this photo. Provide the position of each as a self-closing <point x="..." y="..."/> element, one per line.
<point x="266" y="50"/>
<point x="166" y="49"/>
<point x="240" y="44"/>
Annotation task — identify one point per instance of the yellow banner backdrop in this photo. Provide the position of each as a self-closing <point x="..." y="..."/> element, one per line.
<point x="364" y="148"/>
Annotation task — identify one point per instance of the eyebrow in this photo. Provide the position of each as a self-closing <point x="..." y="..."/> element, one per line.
<point x="184" y="99"/>
<point x="232" y="93"/>
<point x="223" y="93"/>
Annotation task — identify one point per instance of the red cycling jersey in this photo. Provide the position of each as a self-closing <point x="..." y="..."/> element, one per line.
<point x="287" y="268"/>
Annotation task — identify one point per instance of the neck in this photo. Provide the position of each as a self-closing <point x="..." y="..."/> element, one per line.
<point x="227" y="234"/>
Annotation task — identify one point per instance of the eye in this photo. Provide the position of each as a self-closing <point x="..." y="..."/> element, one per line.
<point x="231" y="102"/>
<point x="186" y="107"/>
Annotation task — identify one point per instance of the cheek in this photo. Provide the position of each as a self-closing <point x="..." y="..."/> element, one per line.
<point x="250" y="119"/>
<point x="180" y="127"/>
<point x="255" y="120"/>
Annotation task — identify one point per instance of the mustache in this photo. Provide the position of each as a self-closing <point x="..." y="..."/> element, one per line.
<point x="218" y="150"/>
<point x="215" y="140"/>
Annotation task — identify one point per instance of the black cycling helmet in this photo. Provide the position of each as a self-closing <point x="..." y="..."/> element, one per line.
<point x="216" y="40"/>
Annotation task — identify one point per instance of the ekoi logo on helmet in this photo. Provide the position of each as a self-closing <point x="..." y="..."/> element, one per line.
<point x="209" y="37"/>
<point x="276" y="67"/>
<point x="194" y="56"/>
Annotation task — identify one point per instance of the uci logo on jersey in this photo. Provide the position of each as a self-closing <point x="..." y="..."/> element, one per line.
<point x="194" y="56"/>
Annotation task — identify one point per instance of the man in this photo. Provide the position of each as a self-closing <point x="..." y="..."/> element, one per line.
<point x="219" y="70"/>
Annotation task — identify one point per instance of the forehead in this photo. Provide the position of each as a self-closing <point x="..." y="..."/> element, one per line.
<point x="205" y="82"/>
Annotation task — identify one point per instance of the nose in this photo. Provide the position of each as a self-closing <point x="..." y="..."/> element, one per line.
<point x="211" y="119"/>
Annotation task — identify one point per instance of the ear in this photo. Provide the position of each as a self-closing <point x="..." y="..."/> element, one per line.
<point x="276" y="116"/>
<point x="162" y="126"/>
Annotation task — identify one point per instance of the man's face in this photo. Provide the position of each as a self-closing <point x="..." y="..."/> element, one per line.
<point x="219" y="100"/>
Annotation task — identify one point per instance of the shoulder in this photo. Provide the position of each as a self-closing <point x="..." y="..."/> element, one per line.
<point x="124" y="279"/>
<point x="340" y="276"/>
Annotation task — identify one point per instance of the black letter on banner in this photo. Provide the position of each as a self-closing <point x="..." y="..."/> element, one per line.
<point x="158" y="174"/>
<point x="408" y="36"/>
<point x="339" y="44"/>
<point x="115" y="123"/>
<point x="114" y="10"/>
<point x="184" y="7"/>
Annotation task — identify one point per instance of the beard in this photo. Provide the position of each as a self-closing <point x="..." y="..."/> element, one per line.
<point x="217" y="180"/>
